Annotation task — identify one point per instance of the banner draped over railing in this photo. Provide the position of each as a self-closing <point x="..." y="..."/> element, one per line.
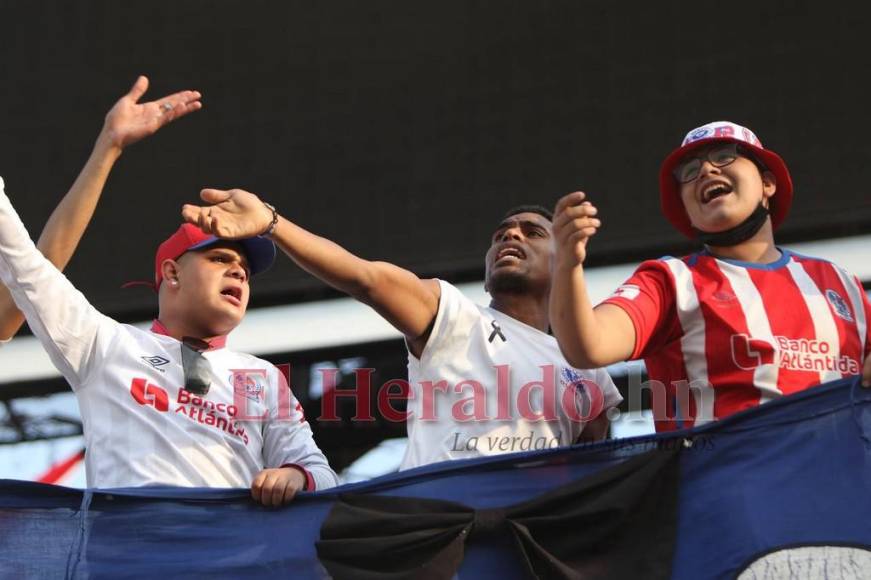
<point x="783" y="490"/>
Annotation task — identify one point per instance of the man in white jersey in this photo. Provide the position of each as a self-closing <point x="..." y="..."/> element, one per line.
<point x="171" y="405"/>
<point x="732" y="326"/>
<point x="483" y="380"/>
<point x="127" y="122"/>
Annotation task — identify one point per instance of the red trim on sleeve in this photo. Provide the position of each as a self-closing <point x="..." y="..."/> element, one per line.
<point x="309" y="480"/>
<point x="647" y="297"/>
<point x="637" y="321"/>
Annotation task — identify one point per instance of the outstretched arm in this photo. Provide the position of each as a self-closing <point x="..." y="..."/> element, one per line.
<point x="588" y="337"/>
<point x="404" y="300"/>
<point x="126" y="123"/>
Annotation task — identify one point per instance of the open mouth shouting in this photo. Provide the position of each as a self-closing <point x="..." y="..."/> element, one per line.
<point x="509" y="253"/>
<point x="232" y="294"/>
<point x="714" y="190"/>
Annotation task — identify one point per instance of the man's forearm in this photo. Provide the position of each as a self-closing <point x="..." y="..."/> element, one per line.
<point x="326" y="260"/>
<point x="60" y="316"/>
<point x="588" y="337"/>
<point x="64" y="229"/>
<point x="408" y="303"/>
<point x="572" y="318"/>
<point x="405" y="301"/>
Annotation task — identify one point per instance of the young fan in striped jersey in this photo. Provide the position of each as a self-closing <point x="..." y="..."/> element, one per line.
<point x="739" y="323"/>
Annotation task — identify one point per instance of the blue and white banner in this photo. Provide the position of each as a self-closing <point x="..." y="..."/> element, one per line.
<point x="781" y="491"/>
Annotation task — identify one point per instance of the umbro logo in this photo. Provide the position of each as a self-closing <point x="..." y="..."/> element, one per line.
<point x="156" y="361"/>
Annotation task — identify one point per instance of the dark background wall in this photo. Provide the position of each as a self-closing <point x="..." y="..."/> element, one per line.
<point x="404" y="129"/>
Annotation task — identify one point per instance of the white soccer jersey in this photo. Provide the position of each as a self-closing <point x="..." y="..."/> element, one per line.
<point x="487" y="384"/>
<point x="141" y="426"/>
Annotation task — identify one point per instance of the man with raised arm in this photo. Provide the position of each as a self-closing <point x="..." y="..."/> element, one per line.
<point x="483" y="380"/>
<point x="736" y="324"/>
<point x="126" y="123"/>
<point x="171" y="405"/>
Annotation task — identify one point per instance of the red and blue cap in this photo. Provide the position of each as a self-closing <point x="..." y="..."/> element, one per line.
<point x="669" y="188"/>
<point x="260" y="251"/>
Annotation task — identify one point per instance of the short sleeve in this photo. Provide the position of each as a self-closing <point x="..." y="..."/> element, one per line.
<point x="455" y="318"/>
<point x="649" y="300"/>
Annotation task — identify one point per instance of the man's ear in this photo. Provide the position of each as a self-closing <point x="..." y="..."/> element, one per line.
<point x="169" y="269"/>
<point x="769" y="184"/>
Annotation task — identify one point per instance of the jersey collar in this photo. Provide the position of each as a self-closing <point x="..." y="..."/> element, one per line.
<point x="785" y="257"/>
<point x="157" y="327"/>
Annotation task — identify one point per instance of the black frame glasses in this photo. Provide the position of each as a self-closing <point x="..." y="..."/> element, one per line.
<point x="719" y="156"/>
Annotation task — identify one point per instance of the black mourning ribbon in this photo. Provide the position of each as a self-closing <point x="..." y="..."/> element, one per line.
<point x="618" y="523"/>
<point x="197" y="371"/>
<point x="497" y="331"/>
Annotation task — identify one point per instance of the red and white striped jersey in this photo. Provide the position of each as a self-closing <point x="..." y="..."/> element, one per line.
<point x="719" y="336"/>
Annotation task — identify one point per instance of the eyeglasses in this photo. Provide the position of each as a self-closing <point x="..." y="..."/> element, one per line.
<point x="719" y="156"/>
<point x="197" y="371"/>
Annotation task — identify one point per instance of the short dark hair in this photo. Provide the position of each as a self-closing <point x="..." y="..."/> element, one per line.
<point x="746" y="152"/>
<point x="530" y="208"/>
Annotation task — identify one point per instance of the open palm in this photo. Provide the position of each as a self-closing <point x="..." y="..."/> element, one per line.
<point x="232" y="214"/>
<point x="129" y="121"/>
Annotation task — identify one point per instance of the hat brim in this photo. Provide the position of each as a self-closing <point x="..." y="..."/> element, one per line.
<point x="260" y="251"/>
<point x="669" y="189"/>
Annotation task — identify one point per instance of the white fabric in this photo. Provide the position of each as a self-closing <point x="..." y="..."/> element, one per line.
<point x="154" y="433"/>
<point x="692" y="342"/>
<point x="825" y="327"/>
<point x="459" y="351"/>
<point x="765" y="377"/>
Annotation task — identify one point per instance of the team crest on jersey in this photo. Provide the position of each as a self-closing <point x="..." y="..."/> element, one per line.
<point x="839" y="305"/>
<point x="572" y="379"/>
<point x="589" y="398"/>
<point x="570" y="376"/>
<point x="724" y="297"/>
<point x="248" y="385"/>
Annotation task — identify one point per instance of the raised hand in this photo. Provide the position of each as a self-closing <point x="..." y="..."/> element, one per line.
<point x="130" y="121"/>
<point x="232" y="214"/>
<point x="574" y="223"/>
